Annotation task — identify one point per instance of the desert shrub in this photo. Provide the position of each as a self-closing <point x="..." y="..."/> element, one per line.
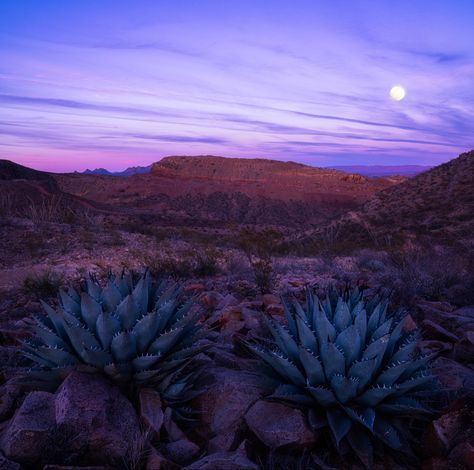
<point x="370" y="260"/>
<point x="43" y="284"/>
<point x="259" y="247"/>
<point x="206" y="263"/>
<point x="132" y="332"/>
<point x="352" y="366"/>
<point x="424" y="273"/>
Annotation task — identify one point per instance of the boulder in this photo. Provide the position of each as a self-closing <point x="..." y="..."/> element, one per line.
<point x="9" y="395"/>
<point x="104" y="420"/>
<point x="224" y="405"/>
<point x="151" y="414"/>
<point x="156" y="461"/>
<point x="454" y="376"/>
<point x="182" y="451"/>
<point x="277" y="425"/>
<point x="26" y="436"/>
<point x="463" y="454"/>
<point x="210" y="300"/>
<point x="237" y="460"/>
<point x="6" y="464"/>
<point x="464" y="349"/>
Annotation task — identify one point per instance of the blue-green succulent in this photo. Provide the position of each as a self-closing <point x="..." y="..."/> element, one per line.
<point x="353" y="367"/>
<point x="132" y="332"/>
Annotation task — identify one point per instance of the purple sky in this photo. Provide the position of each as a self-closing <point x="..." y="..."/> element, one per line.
<point x="102" y="83"/>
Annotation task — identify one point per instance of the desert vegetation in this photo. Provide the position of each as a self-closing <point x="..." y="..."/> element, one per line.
<point x="130" y="342"/>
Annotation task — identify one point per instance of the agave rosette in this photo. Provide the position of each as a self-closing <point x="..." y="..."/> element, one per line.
<point x="141" y="332"/>
<point x="353" y="367"/>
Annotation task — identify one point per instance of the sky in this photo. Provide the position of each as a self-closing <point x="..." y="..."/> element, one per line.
<point x="112" y="83"/>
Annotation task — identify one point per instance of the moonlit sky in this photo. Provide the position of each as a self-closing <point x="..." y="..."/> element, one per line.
<point x="111" y="83"/>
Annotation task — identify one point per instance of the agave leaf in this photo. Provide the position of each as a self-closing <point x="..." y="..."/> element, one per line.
<point x="305" y="335"/>
<point x="283" y="339"/>
<point x="310" y="305"/>
<point x="123" y="346"/>
<point x="355" y="299"/>
<point x="140" y="295"/>
<point x="172" y="292"/>
<point x="317" y="419"/>
<point x="356" y="309"/>
<point x="322" y="395"/>
<point x="128" y="312"/>
<point x="93" y="288"/>
<point x="327" y="308"/>
<point x="312" y="366"/>
<point x="183" y="311"/>
<point x="69" y="304"/>
<point x="57" y="356"/>
<point x="387" y="433"/>
<point x="360" y="442"/>
<point x="391" y="374"/>
<point x="349" y="341"/>
<point x="382" y="330"/>
<point x="291" y="394"/>
<point x="376" y="349"/>
<point x="124" y="284"/>
<point x="364" y="416"/>
<point x="360" y="322"/>
<point x="107" y="326"/>
<point x="344" y="388"/>
<point x="166" y="312"/>
<point x="416" y="365"/>
<point x="395" y="337"/>
<point x="97" y="357"/>
<point x="364" y="371"/>
<point x="30" y="353"/>
<point x="289" y="370"/>
<point x="54" y="318"/>
<point x="110" y="296"/>
<point x="80" y="337"/>
<point x="325" y="331"/>
<point x="372" y="304"/>
<point x="90" y="309"/>
<point x="342" y="316"/>
<point x="414" y="382"/>
<point x="339" y="423"/>
<point x="145" y="362"/>
<point x="165" y="341"/>
<point x="374" y="319"/>
<point x="47" y="335"/>
<point x="373" y="396"/>
<point x="145" y="331"/>
<point x="333" y="360"/>
<point x="119" y="372"/>
<point x="405" y="352"/>
<point x="289" y="318"/>
<point x="403" y="406"/>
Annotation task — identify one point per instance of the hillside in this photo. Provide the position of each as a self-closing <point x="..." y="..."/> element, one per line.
<point x="437" y="204"/>
<point x="200" y="189"/>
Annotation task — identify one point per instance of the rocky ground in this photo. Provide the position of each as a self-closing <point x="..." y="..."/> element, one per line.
<point x="88" y="421"/>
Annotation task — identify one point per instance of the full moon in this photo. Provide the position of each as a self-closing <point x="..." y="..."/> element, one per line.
<point x="397" y="93"/>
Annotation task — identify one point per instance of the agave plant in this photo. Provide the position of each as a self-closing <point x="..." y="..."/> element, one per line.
<point x="353" y="368"/>
<point x="139" y="333"/>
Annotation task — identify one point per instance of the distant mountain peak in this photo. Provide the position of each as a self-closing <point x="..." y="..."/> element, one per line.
<point x="130" y="171"/>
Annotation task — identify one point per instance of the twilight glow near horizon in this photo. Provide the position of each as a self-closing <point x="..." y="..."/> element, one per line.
<point x="113" y="84"/>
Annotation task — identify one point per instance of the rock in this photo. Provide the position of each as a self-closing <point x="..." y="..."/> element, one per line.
<point x="278" y="425"/>
<point x="27" y="434"/>
<point x="441" y="435"/>
<point x="104" y="419"/>
<point x="69" y="467"/>
<point x="251" y="319"/>
<point x="210" y="300"/>
<point x="270" y="299"/>
<point x="454" y="376"/>
<point x="409" y="324"/>
<point x="437" y="464"/>
<point x="9" y="395"/>
<point x="6" y="464"/>
<point x="462" y="454"/>
<point x="182" y="451"/>
<point x="156" y="461"/>
<point x="151" y="414"/>
<point x="237" y="460"/>
<point x="275" y="310"/>
<point x="194" y="288"/>
<point x="227" y="301"/>
<point x="436" y="331"/>
<point x="430" y="346"/>
<point x="464" y="349"/>
<point x="224" y="405"/>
